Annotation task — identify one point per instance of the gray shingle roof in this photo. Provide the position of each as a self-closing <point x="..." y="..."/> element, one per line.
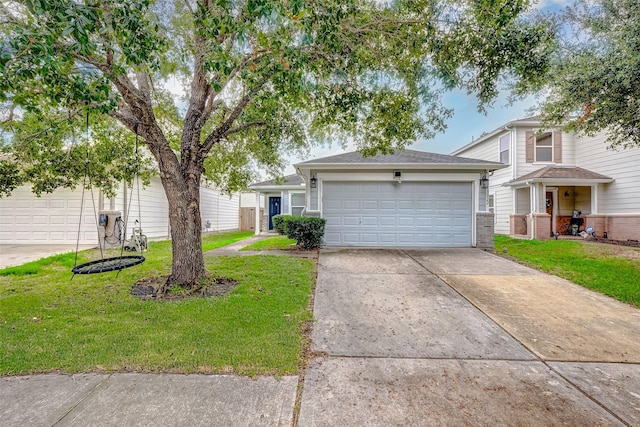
<point x="561" y="173"/>
<point x="289" y="180"/>
<point x="398" y="157"/>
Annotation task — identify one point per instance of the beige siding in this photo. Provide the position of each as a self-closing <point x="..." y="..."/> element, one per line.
<point x="522" y="167"/>
<point x="523" y="201"/>
<point x="623" y="195"/>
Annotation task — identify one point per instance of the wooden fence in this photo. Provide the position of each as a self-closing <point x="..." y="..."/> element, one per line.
<point x="248" y="218"/>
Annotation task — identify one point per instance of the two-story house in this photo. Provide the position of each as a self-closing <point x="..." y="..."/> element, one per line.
<point x="559" y="183"/>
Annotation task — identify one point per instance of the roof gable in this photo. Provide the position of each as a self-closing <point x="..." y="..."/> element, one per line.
<point x="404" y="157"/>
<point x="286" y="182"/>
<point x="560" y="174"/>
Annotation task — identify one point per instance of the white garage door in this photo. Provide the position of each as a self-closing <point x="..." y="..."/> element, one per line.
<point x="423" y="214"/>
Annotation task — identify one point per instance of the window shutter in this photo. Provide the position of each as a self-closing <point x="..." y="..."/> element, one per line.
<point x="530" y="137"/>
<point x="557" y="147"/>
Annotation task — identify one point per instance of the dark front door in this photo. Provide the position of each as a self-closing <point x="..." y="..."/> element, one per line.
<point x="274" y="209"/>
<point x="549" y="197"/>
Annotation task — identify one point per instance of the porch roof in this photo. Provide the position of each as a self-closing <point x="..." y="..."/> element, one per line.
<point x="289" y="182"/>
<point x="561" y="175"/>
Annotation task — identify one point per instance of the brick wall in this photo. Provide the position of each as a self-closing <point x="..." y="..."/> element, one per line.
<point x="484" y="231"/>
<point x="618" y="227"/>
<point x="542" y="227"/>
<point x="518" y="225"/>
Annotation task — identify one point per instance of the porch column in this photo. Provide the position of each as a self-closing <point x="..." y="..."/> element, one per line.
<point x="258" y="216"/>
<point x="594" y="199"/>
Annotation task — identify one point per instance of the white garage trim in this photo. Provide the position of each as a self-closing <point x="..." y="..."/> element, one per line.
<point x="378" y="212"/>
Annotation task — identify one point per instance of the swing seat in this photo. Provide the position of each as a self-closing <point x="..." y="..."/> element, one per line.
<point x="108" y="264"/>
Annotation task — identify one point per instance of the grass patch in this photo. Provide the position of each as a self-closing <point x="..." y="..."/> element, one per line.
<point x="218" y="240"/>
<point x="92" y="323"/>
<point x="596" y="267"/>
<point x="280" y="243"/>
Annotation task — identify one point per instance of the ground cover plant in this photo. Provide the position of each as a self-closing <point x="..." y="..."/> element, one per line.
<point x="93" y="323"/>
<point x="279" y="243"/>
<point x="608" y="269"/>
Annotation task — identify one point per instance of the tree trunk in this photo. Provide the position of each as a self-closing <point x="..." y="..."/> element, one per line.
<point x="186" y="232"/>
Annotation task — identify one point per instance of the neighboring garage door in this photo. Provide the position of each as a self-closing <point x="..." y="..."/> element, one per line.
<point x="423" y="214"/>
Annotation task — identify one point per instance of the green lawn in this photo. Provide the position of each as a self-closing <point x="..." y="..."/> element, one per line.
<point x="602" y="268"/>
<point x="92" y="323"/>
<point x="281" y="243"/>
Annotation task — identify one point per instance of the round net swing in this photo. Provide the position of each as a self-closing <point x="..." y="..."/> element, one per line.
<point x="108" y="264"/>
<point x="116" y="263"/>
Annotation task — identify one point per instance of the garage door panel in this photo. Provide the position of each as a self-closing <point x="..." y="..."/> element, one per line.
<point x="388" y="214"/>
<point x="369" y="221"/>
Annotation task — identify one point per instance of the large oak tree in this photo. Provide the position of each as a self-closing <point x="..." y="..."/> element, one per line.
<point x="260" y="77"/>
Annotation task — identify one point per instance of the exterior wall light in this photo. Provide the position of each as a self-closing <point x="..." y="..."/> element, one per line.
<point x="397" y="176"/>
<point x="314" y="182"/>
<point x="484" y="182"/>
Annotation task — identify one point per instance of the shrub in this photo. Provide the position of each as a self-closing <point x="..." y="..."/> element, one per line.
<point x="279" y="224"/>
<point x="306" y="231"/>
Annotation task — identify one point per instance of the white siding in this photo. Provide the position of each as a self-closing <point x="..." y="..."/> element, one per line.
<point x="222" y="211"/>
<point x="154" y="211"/>
<point x="623" y="195"/>
<point x="503" y="208"/>
<point x="52" y="218"/>
<point x="490" y="150"/>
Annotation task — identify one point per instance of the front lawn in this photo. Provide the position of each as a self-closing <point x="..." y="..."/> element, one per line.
<point x="280" y="243"/>
<point x="92" y="323"/>
<point x="611" y="270"/>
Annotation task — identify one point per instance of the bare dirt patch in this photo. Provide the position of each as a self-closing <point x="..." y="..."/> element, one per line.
<point x="151" y="289"/>
<point x="613" y="250"/>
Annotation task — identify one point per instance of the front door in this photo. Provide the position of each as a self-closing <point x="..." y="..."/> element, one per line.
<point x="274" y="209"/>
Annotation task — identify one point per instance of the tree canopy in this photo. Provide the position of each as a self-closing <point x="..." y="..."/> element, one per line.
<point x="260" y="77"/>
<point x="592" y="82"/>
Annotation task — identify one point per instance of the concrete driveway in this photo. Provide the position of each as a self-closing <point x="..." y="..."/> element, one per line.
<point x="464" y="337"/>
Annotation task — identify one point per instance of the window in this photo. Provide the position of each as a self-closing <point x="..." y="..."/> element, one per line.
<point x="297" y="203"/>
<point x="544" y="147"/>
<point x="504" y="148"/>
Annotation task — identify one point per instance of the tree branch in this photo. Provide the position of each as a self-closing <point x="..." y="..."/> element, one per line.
<point x="245" y="127"/>
<point x="223" y="129"/>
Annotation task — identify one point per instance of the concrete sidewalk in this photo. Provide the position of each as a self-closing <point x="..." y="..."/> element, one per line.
<point x="146" y="400"/>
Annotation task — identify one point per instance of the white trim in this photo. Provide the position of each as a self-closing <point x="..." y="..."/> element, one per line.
<point x="407" y="166"/>
<point x="258" y="217"/>
<point x="406" y="176"/>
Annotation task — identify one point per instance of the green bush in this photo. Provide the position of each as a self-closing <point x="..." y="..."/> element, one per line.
<point x="280" y="223"/>
<point x="306" y="231"/>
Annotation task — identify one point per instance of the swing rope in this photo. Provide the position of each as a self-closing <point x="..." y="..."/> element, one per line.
<point x="105" y="264"/>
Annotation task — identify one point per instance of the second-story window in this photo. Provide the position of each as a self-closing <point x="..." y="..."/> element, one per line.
<point x="544" y="147"/>
<point x="504" y="148"/>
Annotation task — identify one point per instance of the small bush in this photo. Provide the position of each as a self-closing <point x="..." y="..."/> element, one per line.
<point x="306" y="231"/>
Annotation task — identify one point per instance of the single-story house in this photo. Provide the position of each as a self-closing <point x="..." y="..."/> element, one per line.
<point x="406" y="199"/>
<point x="557" y="182"/>
<point x="54" y="218"/>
